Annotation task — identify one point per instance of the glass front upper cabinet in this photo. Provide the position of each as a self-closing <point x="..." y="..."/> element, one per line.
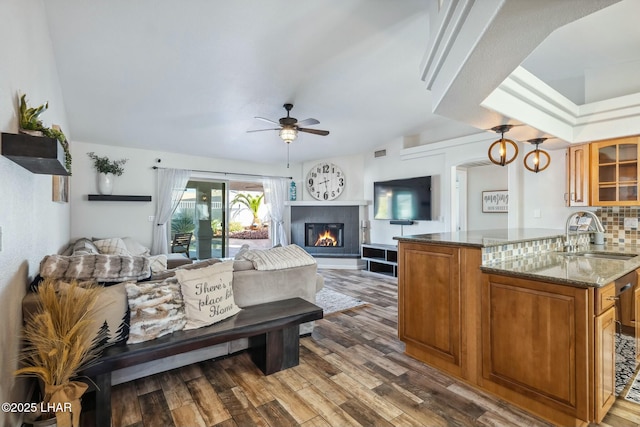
<point x="614" y="172"/>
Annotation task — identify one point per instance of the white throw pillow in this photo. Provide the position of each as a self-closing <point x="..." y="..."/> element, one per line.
<point x="279" y="258"/>
<point x="158" y="263"/>
<point x="135" y="248"/>
<point x="113" y="246"/>
<point x="208" y="294"/>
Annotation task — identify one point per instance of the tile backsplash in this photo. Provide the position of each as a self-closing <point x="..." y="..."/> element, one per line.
<point x="613" y="221"/>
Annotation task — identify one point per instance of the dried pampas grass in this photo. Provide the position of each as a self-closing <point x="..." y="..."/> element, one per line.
<point x="59" y="337"/>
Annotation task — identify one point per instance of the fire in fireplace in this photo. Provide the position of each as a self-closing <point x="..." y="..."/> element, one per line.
<point x="324" y="234"/>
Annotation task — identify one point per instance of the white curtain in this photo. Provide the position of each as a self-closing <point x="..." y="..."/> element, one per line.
<point x="171" y="186"/>
<point x="275" y="196"/>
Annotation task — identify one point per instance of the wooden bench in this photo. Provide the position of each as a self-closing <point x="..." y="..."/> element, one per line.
<point x="273" y="329"/>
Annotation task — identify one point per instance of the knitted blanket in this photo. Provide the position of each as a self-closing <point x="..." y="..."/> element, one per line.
<point x="102" y="268"/>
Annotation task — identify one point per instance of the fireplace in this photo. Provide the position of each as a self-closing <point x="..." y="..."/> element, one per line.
<point x="324" y="234"/>
<point x="327" y="230"/>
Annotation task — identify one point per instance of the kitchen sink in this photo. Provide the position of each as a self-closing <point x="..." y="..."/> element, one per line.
<point x="605" y="255"/>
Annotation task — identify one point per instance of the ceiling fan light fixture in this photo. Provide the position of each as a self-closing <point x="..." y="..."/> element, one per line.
<point x="288" y="134"/>
<point x="505" y="146"/>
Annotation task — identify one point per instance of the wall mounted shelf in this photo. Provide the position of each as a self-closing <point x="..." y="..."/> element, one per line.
<point x="37" y="154"/>
<point x="117" y="198"/>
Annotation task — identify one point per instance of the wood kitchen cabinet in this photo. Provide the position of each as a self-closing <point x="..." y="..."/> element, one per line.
<point x="577" y="176"/>
<point x="430" y="292"/>
<point x="526" y="356"/>
<point x="615" y="174"/>
<point x="546" y="347"/>
<point x="605" y="354"/>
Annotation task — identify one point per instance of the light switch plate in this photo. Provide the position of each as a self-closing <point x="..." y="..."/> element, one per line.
<point x="631" y="223"/>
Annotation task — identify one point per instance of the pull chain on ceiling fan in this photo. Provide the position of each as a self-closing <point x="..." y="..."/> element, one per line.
<point x="290" y="126"/>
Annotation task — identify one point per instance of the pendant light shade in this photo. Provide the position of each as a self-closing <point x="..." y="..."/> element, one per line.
<point x="537" y="160"/>
<point x="503" y="151"/>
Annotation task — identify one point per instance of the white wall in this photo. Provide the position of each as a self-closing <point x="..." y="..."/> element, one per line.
<point x="352" y="166"/>
<point x="392" y="167"/>
<point x="32" y="225"/>
<point x="479" y="179"/>
<point x="528" y="192"/>
<point x="120" y="219"/>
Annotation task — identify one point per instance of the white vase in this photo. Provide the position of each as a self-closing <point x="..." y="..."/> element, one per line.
<point x="105" y="183"/>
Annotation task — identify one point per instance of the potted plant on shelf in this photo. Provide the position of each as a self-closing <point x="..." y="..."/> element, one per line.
<point x="31" y="124"/>
<point x="60" y="340"/>
<point x="107" y="169"/>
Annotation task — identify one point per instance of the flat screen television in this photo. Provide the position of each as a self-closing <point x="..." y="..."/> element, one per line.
<point x="403" y="199"/>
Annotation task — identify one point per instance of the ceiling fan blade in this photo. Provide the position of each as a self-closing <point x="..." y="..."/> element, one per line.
<point x="267" y="120"/>
<point x="308" y="122"/>
<point x="261" y="130"/>
<point x="315" y="131"/>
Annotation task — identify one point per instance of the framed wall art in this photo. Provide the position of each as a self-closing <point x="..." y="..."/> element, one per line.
<point x="496" y="201"/>
<point x="60" y="188"/>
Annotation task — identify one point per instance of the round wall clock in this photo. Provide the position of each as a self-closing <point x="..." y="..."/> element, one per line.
<point x="325" y="181"/>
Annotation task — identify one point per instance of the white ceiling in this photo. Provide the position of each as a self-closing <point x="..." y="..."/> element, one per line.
<point x="190" y="76"/>
<point x="599" y="42"/>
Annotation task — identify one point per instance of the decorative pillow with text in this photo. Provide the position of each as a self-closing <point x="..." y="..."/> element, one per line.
<point x="208" y="294"/>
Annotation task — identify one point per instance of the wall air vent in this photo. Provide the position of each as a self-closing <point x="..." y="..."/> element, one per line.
<point x="380" y="153"/>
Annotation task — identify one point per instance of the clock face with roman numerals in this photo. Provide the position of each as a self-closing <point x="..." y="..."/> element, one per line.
<point x="325" y="181"/>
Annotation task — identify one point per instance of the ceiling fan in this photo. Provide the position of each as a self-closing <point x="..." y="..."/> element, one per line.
<point x="290" y="126"/>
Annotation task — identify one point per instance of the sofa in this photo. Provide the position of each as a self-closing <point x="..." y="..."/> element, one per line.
<point x="254" y="282"/>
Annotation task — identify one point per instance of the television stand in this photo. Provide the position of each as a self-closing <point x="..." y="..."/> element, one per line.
<point x="381" y="259"/>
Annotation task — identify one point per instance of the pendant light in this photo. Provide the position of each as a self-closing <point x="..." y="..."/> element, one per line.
<point x="533" y="161"/>
<point x="500" y="156"/>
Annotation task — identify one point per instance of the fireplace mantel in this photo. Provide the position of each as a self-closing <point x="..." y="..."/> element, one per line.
<point x="330" y="203"/>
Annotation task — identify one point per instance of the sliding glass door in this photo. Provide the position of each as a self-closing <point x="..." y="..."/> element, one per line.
<point x="202" y="212"/>
<point x="222" y="216"/>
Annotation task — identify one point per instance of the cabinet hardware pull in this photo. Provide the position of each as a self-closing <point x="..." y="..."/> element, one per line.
<point x="624" y="288"/>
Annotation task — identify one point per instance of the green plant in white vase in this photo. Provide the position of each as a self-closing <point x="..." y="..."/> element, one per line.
<point x="106" y="170"/>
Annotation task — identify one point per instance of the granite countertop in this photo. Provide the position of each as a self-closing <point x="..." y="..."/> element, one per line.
<point x="570" y="269"/>
<point x="554" y="267"/>
<point x="484" y="238"/>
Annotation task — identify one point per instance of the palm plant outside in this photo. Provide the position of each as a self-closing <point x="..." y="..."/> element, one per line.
<point x="183" y="222"/>
<point x="250" y="202"/>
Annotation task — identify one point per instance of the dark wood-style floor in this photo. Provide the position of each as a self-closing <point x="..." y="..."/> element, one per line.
<point x="352" y="372"/>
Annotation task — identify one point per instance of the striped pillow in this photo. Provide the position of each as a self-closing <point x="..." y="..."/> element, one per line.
<point x="279" y="258"/>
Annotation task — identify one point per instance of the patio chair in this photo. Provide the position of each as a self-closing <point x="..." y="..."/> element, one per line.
<point x="180" y="243"/>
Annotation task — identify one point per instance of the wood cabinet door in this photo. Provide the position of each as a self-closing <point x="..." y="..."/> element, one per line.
<point x="535" y="342"/>
<point x="577" y="176"/>
<point x="615" y="172"/>
<point x="429" y="304"/>
<point x="605" y="362"/>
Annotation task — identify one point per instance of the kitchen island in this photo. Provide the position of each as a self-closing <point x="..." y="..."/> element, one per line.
<point x="507" y="312"/>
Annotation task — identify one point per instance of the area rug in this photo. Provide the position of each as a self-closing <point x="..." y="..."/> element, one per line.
<point x="626" y="368"/>
<point x="333" y="302"/>
<point x="634" y="391"/>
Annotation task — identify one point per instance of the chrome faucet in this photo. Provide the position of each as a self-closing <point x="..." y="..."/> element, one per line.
<point x="568" y="247"/>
